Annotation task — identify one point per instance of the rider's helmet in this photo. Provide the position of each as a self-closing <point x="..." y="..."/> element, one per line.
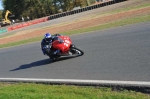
<point x="47" y="37"/>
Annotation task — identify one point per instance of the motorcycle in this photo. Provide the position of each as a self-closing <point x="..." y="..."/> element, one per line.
<point x="65" y="46"/>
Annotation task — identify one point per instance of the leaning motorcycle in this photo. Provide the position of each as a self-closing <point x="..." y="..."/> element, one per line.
<point x="65" y="46"/>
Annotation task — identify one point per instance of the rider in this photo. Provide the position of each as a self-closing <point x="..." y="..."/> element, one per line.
<point x="48" y="39"/>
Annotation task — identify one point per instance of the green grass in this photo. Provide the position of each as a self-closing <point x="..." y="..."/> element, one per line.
<point x="41" y="91"/>
<point x="86" y="30"/>
<point x="138" y="6"/>
<point x="111" y="24"/>
<point x="21" y="42"/>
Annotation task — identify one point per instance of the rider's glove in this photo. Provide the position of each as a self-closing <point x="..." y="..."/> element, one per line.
<point x="44" y="47"/>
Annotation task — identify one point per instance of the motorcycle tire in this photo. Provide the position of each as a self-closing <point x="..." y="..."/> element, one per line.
<point x="76" y="51"/>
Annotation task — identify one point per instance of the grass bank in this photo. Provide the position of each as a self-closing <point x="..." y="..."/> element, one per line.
<point x="41" y="91"/>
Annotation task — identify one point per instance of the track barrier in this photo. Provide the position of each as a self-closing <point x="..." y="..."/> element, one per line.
<point x="3" y="30"/>
<point x="20" y="26"/>
<point x="9" y="28"/>
<point x="97" y="5"/>
<point x="14" y="27"/>
<point x="24" y="24"/>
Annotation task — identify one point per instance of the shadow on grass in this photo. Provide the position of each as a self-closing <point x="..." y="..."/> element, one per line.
<point x="40" y="63"/>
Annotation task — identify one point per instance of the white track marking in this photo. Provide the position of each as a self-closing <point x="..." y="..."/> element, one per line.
<point x="77" y="81"/>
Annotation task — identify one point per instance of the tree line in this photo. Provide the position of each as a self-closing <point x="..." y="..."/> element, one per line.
<point x="41" y="8"/>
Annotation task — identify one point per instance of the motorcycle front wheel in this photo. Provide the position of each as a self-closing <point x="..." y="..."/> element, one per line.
<point x="76" y="51"/>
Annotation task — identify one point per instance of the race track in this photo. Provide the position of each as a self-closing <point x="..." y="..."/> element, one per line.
<point x="121" y="54"/>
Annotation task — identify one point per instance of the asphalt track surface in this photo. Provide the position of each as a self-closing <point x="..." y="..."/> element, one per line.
<point x="116" y="54"/>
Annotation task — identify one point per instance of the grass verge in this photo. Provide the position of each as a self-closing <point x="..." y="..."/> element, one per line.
<point x="41" y="91"/>
<point x="89" y="29"/>
<point x="138" y="6"/>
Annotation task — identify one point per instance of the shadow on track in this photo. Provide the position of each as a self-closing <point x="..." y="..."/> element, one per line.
<point x="34" y="64"/>
<point x="39" y="63"/>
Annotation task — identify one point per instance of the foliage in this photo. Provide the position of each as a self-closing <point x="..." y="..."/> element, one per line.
<point x="90" y="2"/>
<point x="40" y="8"/>
<point x="1" y="14"/>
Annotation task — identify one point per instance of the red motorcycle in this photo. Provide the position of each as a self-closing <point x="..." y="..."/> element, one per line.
<point x="65" y="46"/>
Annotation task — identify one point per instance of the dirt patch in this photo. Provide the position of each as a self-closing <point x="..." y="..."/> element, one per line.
<point x="76" y="25"/>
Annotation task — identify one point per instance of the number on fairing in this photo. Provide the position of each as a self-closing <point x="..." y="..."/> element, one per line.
<point x="66" y="43"/>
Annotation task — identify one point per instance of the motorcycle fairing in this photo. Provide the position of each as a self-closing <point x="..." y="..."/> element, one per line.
<point x="62" y="43"/>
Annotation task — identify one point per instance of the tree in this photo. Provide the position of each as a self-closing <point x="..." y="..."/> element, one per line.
<point x="40" y="8"/>
<point x="81" y="3"/>
<point x="1" y="11"/>
<point x="90" y="2"/>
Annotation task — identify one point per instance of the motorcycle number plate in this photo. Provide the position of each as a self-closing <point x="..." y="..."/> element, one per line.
<point x="66" y="43"/>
